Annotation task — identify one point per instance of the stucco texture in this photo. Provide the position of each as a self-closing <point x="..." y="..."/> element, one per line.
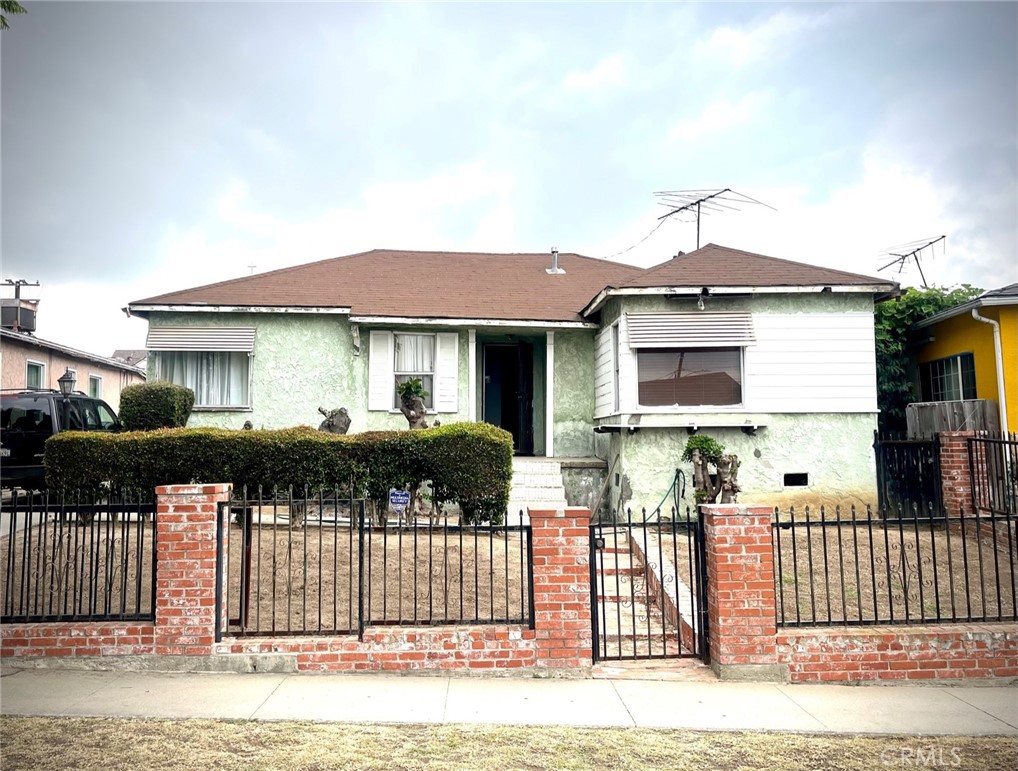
<point x="574" y="394"/>
<point x="834" y="450"/>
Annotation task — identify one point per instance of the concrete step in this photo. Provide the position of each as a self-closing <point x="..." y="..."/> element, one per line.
<point x="529" y="479"/>
<point x="536" y="466"/>
<point x="537" y="494"/>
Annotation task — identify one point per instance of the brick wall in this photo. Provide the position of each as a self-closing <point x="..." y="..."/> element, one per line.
<point x="740" y="591"/>
<point x="745" y="643"/>
<point x="185" y="591"/>
<point x="947" y="652"/>
<point x="185" y="609"/>
<point x="955" y="474"/>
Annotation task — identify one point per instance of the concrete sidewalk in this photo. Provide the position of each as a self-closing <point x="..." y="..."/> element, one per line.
<point x="614" y="703"/>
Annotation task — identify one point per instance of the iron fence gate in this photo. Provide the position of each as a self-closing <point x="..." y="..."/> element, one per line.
<point x="648" y="582"/>
<point x="908" y="475"/>
<point x="320" y="563"/>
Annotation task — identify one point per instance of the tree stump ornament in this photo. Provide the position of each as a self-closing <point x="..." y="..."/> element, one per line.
<point x="336" y="421"/>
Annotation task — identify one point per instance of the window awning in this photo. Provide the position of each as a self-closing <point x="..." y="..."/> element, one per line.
<point x="200" y="339"/>
<point x="689" y="330"/>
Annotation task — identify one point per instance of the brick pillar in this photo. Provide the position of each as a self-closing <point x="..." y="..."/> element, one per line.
<point x="186" y="567"/>
<point x="955" y="475"/>
<point x="561" y="553"/>
<point x="740" y="592"/>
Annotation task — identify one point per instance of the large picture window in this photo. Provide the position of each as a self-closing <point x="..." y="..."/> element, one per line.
<point x="950" y="379"/>
<point x="693" y="377"/>
<point x="415" y="358"/>
<point x="218" y="378"/>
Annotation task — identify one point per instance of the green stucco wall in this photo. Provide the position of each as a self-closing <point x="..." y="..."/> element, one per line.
<point x="574" y="394"/>
<point x="835" y="450"/>
<point x="301" y="362"/>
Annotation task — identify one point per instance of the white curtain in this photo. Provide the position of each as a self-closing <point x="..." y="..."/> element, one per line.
<point x="415" y="354"/>
<point x="218" y="378"/>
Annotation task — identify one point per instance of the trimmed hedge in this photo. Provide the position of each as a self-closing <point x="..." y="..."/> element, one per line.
<point x="466" y="463"/>
<point x="159" y="404"/>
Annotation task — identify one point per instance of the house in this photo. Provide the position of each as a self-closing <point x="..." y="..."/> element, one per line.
<point x="133" y="356"/>
<point x="603" y="367"/>
<point x="971" y="352"/>
<point x="30" y="362"/>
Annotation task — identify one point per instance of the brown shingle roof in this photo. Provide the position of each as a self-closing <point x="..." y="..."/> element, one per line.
<point x="385" y="282"/>
<point x="714" y="265"/>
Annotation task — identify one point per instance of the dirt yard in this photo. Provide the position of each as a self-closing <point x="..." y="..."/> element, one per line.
<point x="884" y="572"/>
<point x="306" y="578"/>
<point x="61" y="568"/>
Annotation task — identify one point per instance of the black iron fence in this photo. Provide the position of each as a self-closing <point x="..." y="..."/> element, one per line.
<point x="993" y="468"/>
<point x="848" y="567"/>
<point x="648" y="586"/>
<point x="76" y="558"/>
<point x="908" y="474"/>
<point x="325" y="563"/>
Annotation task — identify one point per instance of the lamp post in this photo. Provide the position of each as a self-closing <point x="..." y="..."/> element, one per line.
<point x="66" y="382"/>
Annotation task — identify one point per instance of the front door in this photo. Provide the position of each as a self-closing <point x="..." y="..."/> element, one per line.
<point x="509" y="391"/>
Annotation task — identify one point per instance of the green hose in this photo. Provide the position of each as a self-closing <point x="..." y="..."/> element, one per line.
<point x="677" y="490"/>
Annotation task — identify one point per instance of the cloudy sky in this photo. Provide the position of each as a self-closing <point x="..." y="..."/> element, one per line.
<point x="148" y="147"/>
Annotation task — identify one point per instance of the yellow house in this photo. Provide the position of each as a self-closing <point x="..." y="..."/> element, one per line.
<point x="971" y="352"/>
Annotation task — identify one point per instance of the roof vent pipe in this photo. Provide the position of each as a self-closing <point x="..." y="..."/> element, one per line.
<point x="554" y="269"/>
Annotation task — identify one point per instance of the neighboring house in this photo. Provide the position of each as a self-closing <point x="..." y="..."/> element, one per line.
<point x="134" y="357"/>
<point x="578" y="358"/>
<point x="28" y="362"/>
<point x="971" y="352"/>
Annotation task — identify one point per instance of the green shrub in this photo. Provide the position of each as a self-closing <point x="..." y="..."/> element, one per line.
<point x="466" y="463"/>
<point x="148" y="406"/>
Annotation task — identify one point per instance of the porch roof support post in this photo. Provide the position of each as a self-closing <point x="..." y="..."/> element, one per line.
<point x="472" y="375"/>
<point x="549" y="396"/>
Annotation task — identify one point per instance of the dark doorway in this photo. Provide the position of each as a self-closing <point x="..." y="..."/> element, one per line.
<point x="509" y="391"/>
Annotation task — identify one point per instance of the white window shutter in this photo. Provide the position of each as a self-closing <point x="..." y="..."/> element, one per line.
<point x="447" y="372"/>
<point x="381" y="382"/>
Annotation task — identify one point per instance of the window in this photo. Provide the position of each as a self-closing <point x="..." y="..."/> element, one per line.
<point x="415" y="358"/>
<point x="690" y="377"/>
<point x="95" y="386"/>
<point x="398" y="356"/>
<point x="35" y="375"/>
<point x="949" y="379"/>
<point x="107" y="419"/>
<point x="214" y="362"/>
<point x="218" y="378"/>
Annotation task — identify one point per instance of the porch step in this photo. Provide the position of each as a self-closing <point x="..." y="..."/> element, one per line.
<point x="536" y="484"/>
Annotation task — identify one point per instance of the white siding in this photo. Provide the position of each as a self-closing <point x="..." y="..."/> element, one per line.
<point x="814" y="362"/>
<point x="447" y="372"/>
<point x="603" y="373"/>
<point x="381" y="358"/>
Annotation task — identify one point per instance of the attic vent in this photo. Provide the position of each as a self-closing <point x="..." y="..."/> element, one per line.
<point x="689" y="330"/>
<point x="200" y="339"/>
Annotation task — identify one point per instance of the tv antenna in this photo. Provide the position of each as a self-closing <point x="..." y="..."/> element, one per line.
<point x="17" y="283"/>
<point x="704" y="202"/>
<point x="699" y="202"/>
<point x="914" y="250"/>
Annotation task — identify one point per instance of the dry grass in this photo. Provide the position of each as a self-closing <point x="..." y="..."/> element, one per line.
<point x="46" y="744"/>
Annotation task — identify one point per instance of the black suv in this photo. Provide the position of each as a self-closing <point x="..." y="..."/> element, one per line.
<point x="29" y="418"/>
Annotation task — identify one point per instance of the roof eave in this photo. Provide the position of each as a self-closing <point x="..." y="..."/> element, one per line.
<point x="142" y="310"/>
<point x="73" y="352"/>
<point x="964" y="308"/>
<point x="881" y="291"/>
